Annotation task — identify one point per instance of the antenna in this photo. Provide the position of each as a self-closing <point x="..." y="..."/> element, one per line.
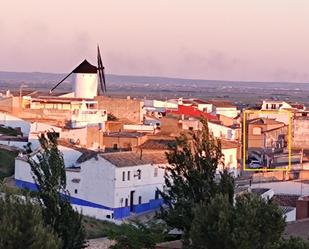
<point x="101" y="73"/>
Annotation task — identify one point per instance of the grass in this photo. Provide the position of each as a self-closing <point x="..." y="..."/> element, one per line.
<point x="97" y="228"/>
<point x="7" y="163"/>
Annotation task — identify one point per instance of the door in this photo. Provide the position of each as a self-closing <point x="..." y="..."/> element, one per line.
<point x="132" y="201"/>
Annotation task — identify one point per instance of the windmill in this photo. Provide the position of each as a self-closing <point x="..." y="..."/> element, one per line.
<point x="89" y="80"/>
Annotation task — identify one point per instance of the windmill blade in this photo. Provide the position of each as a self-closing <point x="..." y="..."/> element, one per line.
<point x="50" y="91"/>
<point x="101" y="72"/>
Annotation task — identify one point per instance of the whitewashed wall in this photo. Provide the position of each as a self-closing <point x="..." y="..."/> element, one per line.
<point x="220" y="131"/>
<point x="144" y="187"/>
<point x="14" y="143"/>
<point x="15" y="122"/>
<point x="230" y="112"/>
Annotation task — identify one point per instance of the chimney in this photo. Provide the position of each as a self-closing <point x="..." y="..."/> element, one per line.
<point x="302" y="208"/>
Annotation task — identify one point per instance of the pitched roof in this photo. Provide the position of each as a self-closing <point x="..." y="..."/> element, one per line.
<point x="193" y="112"/>
<point x="225" y="144"/>
<point x="220" y="103"/>
<point x="285" y="200"/>
<point x="124" y="134"/>
<point x="264" y="121"/>
<point x="157" y="144"/>
<point x="85" y="67"/>
<point x="126" y="159"/>
<point x="299" y="228"/>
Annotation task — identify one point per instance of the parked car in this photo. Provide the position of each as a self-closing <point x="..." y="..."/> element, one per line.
<point x="255" y="164"/>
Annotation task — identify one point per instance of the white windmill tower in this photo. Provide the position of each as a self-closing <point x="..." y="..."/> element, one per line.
<point x="89" y="80"/>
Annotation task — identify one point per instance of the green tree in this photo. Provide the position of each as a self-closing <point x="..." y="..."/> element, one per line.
<point x="136" y="235"/>
<point x="212" y="226"/>
<point x="250" y="223"/>
<point x="49" y="174"/>
<point x="258" y="223"/>
<point x="22" y="226"/>
<point x="293" y="243"/>
<point x="190" y="178"/>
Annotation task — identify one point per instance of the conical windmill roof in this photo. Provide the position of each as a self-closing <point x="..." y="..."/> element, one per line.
<point x="85" y="67"/>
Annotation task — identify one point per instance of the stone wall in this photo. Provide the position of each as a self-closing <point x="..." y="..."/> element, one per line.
<point x="130" y="109"/>
<point x="300" y="132"/>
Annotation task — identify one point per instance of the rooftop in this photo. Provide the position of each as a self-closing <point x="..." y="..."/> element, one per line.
<point x="125" y="159"/>
<point x="299" y="228"/>
<point x="220" y="103"/>
<point x="158" y="144"/>
<point x="85" y="67"/>
<point x="264" y="121"/>
<point x="259" y="191"/>
<point x="124" y="134"/>
<point x="226" y="144"/>
<point x="285" y="200"/>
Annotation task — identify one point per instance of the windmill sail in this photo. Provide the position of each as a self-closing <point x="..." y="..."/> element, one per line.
<point x="60" y="82"/>
<point x="101" y="74"/>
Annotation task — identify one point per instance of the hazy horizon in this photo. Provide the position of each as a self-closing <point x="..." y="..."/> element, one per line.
<point x="201" y="39"/>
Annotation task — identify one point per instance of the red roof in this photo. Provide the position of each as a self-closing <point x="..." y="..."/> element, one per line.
<point x="193" y="112"/>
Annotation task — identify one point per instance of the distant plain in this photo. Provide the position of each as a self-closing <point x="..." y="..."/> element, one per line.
<point x="242" y="93"/>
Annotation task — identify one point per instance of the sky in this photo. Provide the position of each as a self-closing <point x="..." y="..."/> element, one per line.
<point x="247" y="40"/>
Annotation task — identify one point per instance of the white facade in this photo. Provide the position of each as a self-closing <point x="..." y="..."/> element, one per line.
<point x="86" y="85"/>
<point x="101" y="189"/>
<point x="275" y="105"/>
<point x="139" y="128"/>
<point x="230" y="112"/>
<point x="15" y="122"/>
<point x="82" y="118"/>
<point x="209" y="108"/>
<point x="221" y="131"/>
<point x="229" y="161"/>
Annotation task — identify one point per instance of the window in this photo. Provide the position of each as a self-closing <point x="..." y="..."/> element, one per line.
<point x="257" y="131"/>
<point x="157" y="194"/>
<point x="115" y="146"/>
<point x="273" y="106"/>
<point x="266" y="106"/>
<point x="139" y="174"/>
<point x="139" y="200"/>
<point x="75" y="191"/>
<point x="128" y="175"/>
<point x="126" y="202"/>
<point x="155" y="172"/>
<point x="123" y="176"/>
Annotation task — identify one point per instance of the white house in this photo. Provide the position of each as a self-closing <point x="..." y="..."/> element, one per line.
<point x="230" y="162"/>
<point x="9" y="120"/>
<point x="108" y="185"/>
<point x="225" y="108"/>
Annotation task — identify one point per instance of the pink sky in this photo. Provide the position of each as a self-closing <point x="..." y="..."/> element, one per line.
<point x="263" y="40"/>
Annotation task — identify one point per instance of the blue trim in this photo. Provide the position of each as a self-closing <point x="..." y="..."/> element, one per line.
<point x="74" y="200"/>
<point x="151" y="205"/>
<point x="81" y="202"/>
<point x="26" y="185"/>
<point x="119" y="213"/>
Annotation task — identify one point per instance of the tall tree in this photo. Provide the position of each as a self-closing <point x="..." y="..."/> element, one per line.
<point x="49" y="175"/>
<point x="136" y="235"/>
<point x="250" y="223"/>
<point x="190" y="178"/>
<point x="22" y="226"/>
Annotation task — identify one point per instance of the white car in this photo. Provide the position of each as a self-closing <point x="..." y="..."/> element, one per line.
<point x="255" y="164"/>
